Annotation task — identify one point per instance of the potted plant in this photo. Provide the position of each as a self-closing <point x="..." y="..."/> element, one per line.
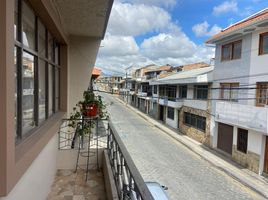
<point x="84" y="113"/>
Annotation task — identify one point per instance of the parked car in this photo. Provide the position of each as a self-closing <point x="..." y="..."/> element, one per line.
<point x="157" y="190"/>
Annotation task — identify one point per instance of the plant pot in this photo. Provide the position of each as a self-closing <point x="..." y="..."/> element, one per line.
<point x="91" y="110"/>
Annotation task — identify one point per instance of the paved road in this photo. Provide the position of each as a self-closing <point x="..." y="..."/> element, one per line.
<point x="160" y="158"/>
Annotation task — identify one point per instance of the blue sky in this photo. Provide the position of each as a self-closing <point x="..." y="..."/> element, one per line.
<point x="163" y="32"/>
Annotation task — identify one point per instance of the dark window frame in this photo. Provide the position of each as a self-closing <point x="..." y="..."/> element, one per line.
<point x="171" y="92"/>
<point x="20" y="47"/>
<point x="201" y="92"/>
<point x="242" y="140"/>
<point x="170" y="113"/>
<point x="183" y="91"/>
<point x="155" y="89"/>
<point x="231" y="49"/>
<point x="195" y="121"/>
<point x="261" y="50"/>
<point x="231" y="88"/>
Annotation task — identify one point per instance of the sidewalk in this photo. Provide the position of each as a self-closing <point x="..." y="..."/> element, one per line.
<point x="250" y="179"/>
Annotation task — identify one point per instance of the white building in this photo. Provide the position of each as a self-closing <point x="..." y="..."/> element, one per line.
<point x="240" y="92"/>
<point x="181" y="100"/>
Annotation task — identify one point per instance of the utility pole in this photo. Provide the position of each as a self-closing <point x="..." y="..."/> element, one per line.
<point x="126" y="82"/>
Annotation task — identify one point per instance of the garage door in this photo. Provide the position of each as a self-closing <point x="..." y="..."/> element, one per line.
<point x="225" y="137"/>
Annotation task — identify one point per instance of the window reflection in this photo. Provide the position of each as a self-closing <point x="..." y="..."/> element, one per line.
<point x="57" y="89"/>
<point x="50" y="47"/>
<point x="28" y="92"/>
<point x="42" y="90"/>
<point x="15" y="77"/>
<point x="50" y="89"/>
<point x="41" y="39"/>
<point x="16" y="19"/>
<point x="28" y="26"/>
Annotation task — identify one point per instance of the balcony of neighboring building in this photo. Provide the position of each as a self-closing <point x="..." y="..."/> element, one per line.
<point x="246" y="116"/>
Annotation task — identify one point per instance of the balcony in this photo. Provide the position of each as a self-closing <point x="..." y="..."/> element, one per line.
<point x="247" y="116"/>
<point x="96" y="166"/>
<point x="173" y="104"/>
<point x="197" y="104"/>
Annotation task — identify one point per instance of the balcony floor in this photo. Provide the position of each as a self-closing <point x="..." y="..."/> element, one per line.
<point x="72" y="186"/>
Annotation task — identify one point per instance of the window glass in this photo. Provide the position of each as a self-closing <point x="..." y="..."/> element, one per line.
<point x="170" y="113"/>
<point x="15" y="76"/>
<point x="28" y="92"/>
<point x="41" y="39"/>
<point x="42" y="89"/>
<point x="201" y="91"/>
<point x="50" y="47"/>
<point x="195" y="121"/>
<point x="16" y="20"/>
<point x="155" y="89"/>
<point x="57" y="54"/>
<point x="242" y="140"/>
<point x="171" y="93"/>
<point x="237" y="50"/>
<point x="183" y="91"/>
<point x="28" y="26"/>
<point x="262" y="94"/>
<point x="264" y="44"/>
<point x="226" y="52"/>
<point x="57" y="88"/>
<point x="50" y="89"/>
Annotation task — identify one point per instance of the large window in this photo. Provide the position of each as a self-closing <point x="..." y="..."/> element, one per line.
<point x="263" y="45"/>
<point x="171" y="92"/>
<point x="155" y="89"/>
<point x="229" y="91"/>
<point x="195" y="121"/>
<point x="231" y="51"/>
<point x="36" y="59"/>
<point x="170" y="113"/>
<point x="242" y="140"/>
<point x="183" y="91"/>
<point x="262" y="94"/>
<point x="201" y="92"/>
<point x="162" y="91"/>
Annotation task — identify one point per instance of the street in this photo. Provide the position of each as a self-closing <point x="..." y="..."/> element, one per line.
<point x="160" y="158"/>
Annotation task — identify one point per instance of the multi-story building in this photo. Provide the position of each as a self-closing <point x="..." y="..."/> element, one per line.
<point x="111" y="83"/>
<point x="48" y="50"/>
<point x="182" y="101"/>
<point x="240" y="92"/>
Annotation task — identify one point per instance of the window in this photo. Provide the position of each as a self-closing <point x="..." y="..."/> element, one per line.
<point x="37" y="71"/>
<point x="263" y="45"/>
<point x="170" y="113"/>
<point x="231" y="51"/>
<point x="162" y="90"/>
<point x="171" y="92"/>
<point x="229" y="91"/>
<point x="195" y="121"/>
<point x="155" y="89"/>
<point x="183" y="91"/>
<point x="201" y="91"/>
<point x="242" y="140"/>
<point x="262" y="94"/>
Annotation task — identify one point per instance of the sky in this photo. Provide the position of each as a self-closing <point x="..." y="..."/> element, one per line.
<point x="142" y="32"/>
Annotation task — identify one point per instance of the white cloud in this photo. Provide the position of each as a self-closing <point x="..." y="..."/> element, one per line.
<point x="202" y="29"/>
<point x="118" y="46"/>
<point x="130" y="19"/>
<point x="165" y="3"/>
<point x="226" y="6"/>
<point x="168" y="45"/>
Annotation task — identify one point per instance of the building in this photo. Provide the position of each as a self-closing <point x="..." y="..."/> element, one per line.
<point x="240" y="82"/>
<point x="182" y="101"/>
<point x="48" y="50"/>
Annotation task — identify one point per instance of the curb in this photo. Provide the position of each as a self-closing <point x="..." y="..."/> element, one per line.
<point x="231" y="174"/>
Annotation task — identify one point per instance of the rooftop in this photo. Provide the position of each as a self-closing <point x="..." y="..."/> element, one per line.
<point x="247" y="25"/>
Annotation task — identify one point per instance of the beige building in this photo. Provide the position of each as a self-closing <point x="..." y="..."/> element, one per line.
<point x="48" y="49"/>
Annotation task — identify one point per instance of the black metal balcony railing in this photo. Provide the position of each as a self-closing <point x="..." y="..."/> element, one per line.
<point x="129" y="183"/>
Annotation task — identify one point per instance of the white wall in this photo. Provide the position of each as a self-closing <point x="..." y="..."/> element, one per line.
<point x="36" y="182"/>
<point x="255" y="142"/>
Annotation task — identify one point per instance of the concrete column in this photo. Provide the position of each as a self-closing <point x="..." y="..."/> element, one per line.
<point x="82" y="57"/>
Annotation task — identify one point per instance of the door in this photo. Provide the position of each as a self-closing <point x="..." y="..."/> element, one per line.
<point x="225" y="138"/>
<point x="161" y="113"/>
<point x="265" y="168"/>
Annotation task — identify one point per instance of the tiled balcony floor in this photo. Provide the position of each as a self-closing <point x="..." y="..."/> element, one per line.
<point x="72" y="186"/>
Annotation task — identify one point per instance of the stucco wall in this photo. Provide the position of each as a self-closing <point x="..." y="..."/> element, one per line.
<point x="82" y="57"/>
<point x="37" y="180"/>
<point x="172" y="122"/>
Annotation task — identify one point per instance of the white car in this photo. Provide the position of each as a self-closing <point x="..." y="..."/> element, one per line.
<point x="157" y="190"/>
